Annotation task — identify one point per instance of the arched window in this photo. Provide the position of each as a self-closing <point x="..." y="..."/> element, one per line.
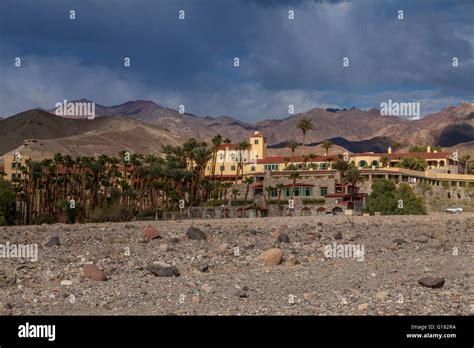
<point x="375" y="163"/>
<point x="362" y="164"/>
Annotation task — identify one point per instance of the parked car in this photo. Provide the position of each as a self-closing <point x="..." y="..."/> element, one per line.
<point x="453" y="210"/>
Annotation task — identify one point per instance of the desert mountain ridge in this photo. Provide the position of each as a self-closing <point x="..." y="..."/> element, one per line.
<point x="143" y="126"/>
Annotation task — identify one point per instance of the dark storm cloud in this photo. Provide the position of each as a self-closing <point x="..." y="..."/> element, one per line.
<point x="282" y="61"/>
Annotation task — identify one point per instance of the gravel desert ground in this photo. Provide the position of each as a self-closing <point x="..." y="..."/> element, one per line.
<point x="216" y="268"/>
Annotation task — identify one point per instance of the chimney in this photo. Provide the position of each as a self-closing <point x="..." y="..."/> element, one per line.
<point x="389" y="150"/>
<point x="428" y="149"/>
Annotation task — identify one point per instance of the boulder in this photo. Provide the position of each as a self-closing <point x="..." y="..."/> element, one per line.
<point x="271" y="256"/>
<point x="196" y="233"/>
<point x="94" y="273"/>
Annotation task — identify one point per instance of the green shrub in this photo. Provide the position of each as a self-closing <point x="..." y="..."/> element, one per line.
<point x="314" y="201"/>
<point x="45" y="218"/>
<point x="385" y="196"/>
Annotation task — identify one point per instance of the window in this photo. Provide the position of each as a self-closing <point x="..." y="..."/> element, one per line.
<point x="255" y="141"/>
<point x="274" y="193"/>
<point x="222" y="168"/>
<point x="221" y="157"/>
<point x="13" y="165"/>
<point x="308" y="191"/>
<point x="252" y="168"/>
<point x="323" y="191"/>
<point x="323" y="165"/>
<point x="270" y="166"/>
<point x="232" y="167"/>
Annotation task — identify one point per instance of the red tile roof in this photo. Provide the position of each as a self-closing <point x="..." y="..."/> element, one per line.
<point x="281" y="159"/>
<point x="396" y="156"/>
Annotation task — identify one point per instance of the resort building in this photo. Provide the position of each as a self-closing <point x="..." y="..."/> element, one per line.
<point x="10" y="166"/>
<point x="312" y="183"/>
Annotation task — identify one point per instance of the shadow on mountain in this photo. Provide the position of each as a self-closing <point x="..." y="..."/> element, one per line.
<point x="377" y="144"/>
<point x="456" y="134"/>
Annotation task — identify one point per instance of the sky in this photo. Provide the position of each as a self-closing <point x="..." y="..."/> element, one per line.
<point x="282" y="61"/>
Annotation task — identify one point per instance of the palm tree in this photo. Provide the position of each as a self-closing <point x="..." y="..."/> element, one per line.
<point x="352" y="176"/>
<point x="294" y="176"/>
<point x="385" y="161"/>
<point x="279" y="187"/>
<point x="292" y="145"/>
<point x="286" y="160"/>
<point x="304" y="124"/>
<point x="235" y="192"/>
<point x="247" y="181"/>
<point x="326" y="144"/>
<point x="341" y="166"/>
<point x="311" y="157"/>
<point x="464" y="159"/>
<point x="216" y="143"/>
<point x="241" y="148"/>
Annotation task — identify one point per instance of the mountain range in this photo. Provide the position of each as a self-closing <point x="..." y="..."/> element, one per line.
<point x="144" y="126"/>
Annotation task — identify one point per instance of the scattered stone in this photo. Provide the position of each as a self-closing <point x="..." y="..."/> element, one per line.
<point x="163" y="271"/>
<point x="381" y="295"/>
<point x="271" y="256"/>
<point x="66" y="282"/>
<point x="431" y="282"/>
<point x="363" y="306"/>
<point x="53" y="241"/>
<point x="421" y="239"/>
<point x="283" y="238"/>
<point x="163" y="248"/>
<point x="196" y="233"/>
<point x="207" y="288"/>
<point x="241" y="293"/>
<point x="151" y="233"/>
<point x="203" y="268"/>
<point x="293" y="261"/>
<point x="196" y="299"/>
<point x="338" y="235"/>
<point x="399" y="241"/>
<point x="94" y="273"/>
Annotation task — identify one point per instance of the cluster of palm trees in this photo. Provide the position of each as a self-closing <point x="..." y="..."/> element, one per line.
<point x="83" y="188"/>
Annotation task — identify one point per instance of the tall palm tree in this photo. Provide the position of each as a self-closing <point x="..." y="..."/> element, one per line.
<point x="304" y="124"/>
<point x="279" y="187"/>
<point x="464" y="159"/>
<point x="241" y="148"/>
<point x="247" y="181"/>
<point x="216" y="143"/>
<point x="326" y="144"/>
<point x="352" y="176"/>
<point x="294" y="176"/>
<point x="292" y="145"/>
<point x="341" y="166"/>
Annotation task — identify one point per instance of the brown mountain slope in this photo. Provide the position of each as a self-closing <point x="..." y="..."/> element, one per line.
<point x="41" y="134"/>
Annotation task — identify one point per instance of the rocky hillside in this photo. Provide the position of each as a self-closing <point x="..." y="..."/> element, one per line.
<point x="41" y="134"/>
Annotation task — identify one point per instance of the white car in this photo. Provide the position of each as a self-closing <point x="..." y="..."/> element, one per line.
<point x="453" y="210"/>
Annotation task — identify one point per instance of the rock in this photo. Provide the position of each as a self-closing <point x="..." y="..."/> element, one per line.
<point x="338" y="235"/>
<point x="163" y="271"/>
<point x="363" y="306"/>
<point x="4" y="311"/>
<point x="223" y="248"/>
<point x="319" y="223"/>
<point x="283" y="238"/>
<point x="163" y="248"/>
<point x="94" y="273"/>
<point x="54" y="241"/>
<point x="207" y="288"/>
<point x="399" y="241"/>
<point x="293" y="261"/>
<point x="203" y="268"/>
<point x="271" y="256"/>
<point x="241" y="293"/>
<point x="151" y="233"/>
<point x="196" y="234"/>
<point x="66" y="282"/>
<point x="431" y="282"/>
<point x="421" y="239"/>
<point x="195" y="299"/>
<point x="381" y="295"/>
